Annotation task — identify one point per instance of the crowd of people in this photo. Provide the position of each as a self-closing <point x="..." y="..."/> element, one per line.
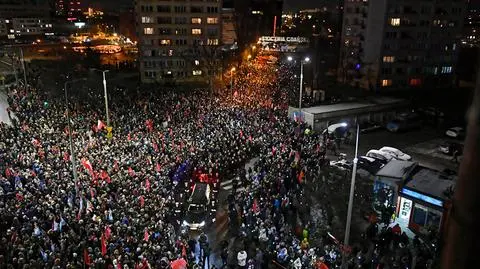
<point x="114" y="210"/>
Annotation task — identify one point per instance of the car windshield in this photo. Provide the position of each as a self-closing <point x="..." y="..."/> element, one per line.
<point x="195" y="208"/>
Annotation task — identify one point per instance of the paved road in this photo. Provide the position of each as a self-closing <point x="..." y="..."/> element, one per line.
<point x="420" y="144"/>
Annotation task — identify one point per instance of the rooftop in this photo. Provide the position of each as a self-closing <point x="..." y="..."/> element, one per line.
<point x="397" y="169"/>
<point x="359" y="104"/>
<point x="430" y="182"/>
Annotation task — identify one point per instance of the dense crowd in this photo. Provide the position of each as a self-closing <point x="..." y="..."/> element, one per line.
<point x="115" y="210"/>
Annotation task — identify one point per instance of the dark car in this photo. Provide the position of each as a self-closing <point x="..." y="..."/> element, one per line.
<point x="369" y="164"/>
<point x="369" y="126"/>
<point x="200" y="209"/>
<point x="450" y="147"/>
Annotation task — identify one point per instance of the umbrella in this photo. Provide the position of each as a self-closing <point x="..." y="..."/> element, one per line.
<point x="179" y="264"/>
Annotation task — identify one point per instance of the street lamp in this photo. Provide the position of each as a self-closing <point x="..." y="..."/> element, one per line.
<point x="105" y="93"/>
<point x="254" y="47"/>
<point x="72" y="151"/>
<point x="249" y="57"/>
<point x="306" y="60"/>
<point x="350" y="201"/>
<point x="231" y="77"/>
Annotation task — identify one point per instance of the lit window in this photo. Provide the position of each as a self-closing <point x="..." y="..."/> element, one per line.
<point x="148" y="31"/>
<point x="147" y="20"/>
<point x="196" y="31"/>
<point x="170" y="52"/>
<point x="386" y="82"/>
<point x="7" y="21"/>
<point x="395" y="21"/>
<point x="197" y="62"/>
<point x="196" y="20"/>
<point x="212" y="20"/>
<point x="165" y="42"/>
<point x="446" y="69"/>
<point x="388" y="59"/>
<point x="415" y="82"/>
<point x="212" y="42"/>
<point x="257" y="12"/>
<point x="197" y="72"/>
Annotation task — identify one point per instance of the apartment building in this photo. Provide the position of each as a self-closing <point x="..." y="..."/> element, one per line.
<point x="400" y="44"/>
<point x="176" y="38"/>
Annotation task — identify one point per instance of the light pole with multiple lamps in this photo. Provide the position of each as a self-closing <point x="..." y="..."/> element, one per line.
<point x="350" y="201"/>
<point x="306" y="60"/>
<point x="105" y="93"/>
<point x="72" y="150"/>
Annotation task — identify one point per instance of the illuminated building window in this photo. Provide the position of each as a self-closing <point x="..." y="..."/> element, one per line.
<point x="446" y="69"/>
<point x="257" y="12"/>
<point x="147" y="20"/>
<point x="148" y="31"/>
<point x="395" y="21"/>
<point x="196" y="20"/>
<point x="212" y="20"/>
<point x="197" y="72"/>
<point x="165" y="42"/>
<point x="196" y="31"/>
<point x="415" y="82"/>
<point x="197" y="62"/>
<point x="386" y="82"/>
<point x="388" y="59"/>
<point x="212" y="42"/>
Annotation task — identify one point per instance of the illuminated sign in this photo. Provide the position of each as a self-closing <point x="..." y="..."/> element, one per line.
<point x="290" y="39"/>
<point x="405" y="209"/>
<point x="79" y="24"/>
<point x="422" y="197"/>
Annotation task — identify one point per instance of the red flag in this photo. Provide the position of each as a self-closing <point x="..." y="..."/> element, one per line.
<point x="149" y="125"/>
<point x="129" y="137"/>
<point x="283" y="147"/>
<point x="104" y="175"/>
<point x="146" y="235"/>
<point x="115" y="165"/>
<point x="142" y="201"/>
<point x="301" y="176"/>
<point x="255" y="206"/>
<point x="158" y="167"/>
<point x="8" y="173"/>
<point x="250" y="138"/>
<point x="108" y="232"/>
<point x="92" y="194"/>
<point x="274" y="149"/>
<point x="86" y="163"/>
<point x="66" y="157"/>
<point x="147" y="184"/>
<point x="155" y="146"/>
<point x="100" y="125"/>
<point x="241" y="134"/>
<point x="131" y="172"/>
<point x="86" y="257"/>
<point x="103" y="245"/>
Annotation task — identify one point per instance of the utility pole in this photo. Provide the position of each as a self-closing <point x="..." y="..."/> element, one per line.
<point x="23" y="66"/>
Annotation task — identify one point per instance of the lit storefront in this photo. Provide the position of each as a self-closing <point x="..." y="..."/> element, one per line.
<point x="424" y="201"/>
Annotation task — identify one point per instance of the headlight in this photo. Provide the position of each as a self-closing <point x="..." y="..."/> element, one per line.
<point x="202" y="223"/>
<point x="184" y="223"/>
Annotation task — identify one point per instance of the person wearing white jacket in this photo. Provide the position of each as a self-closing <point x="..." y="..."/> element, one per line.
<point x="242" y="258"/>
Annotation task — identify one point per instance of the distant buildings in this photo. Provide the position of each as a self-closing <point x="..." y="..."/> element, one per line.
<point x="24" y="20"/>
<point x="176" y="39"/>
<point x="389" y="44"/>
<point x="471" y="36"/>
<point x="71" y="9"/>
<point x="229" y="34"/>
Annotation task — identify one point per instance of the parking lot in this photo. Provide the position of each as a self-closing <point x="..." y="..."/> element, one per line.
<point x="421" y="144"/>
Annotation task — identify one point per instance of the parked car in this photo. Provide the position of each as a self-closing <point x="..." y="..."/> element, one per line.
<point x="371" y="165"/>
<point x="379" y="155"/>
<point x="369" y="126"/>
<point x="456" y="132"/>
<point x="450" y="147"/>
<point x="404" y="122"/>
<point x="396" y="153"/>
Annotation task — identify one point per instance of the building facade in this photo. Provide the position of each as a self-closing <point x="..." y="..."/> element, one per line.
<point x="24" y="20"/>
<point x="177" y="39"/>
<point x="391" y="44"/>
<point x="229" y="35"/>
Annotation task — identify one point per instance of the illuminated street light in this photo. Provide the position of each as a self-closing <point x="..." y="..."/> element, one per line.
<point x="254" y="47"/>
<point x="231" y="77"/>
<point x="249" y="57"/>
<point x="290" y="58"/>
<point x="305" y="61"/>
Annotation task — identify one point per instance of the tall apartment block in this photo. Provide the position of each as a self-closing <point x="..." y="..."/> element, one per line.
<point x="171" y="32"/>
<point x="400" y="44"/>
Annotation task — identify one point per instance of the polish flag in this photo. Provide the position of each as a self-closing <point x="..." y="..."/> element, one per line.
<point x="147" y="184"/>
<point x="146" y="236"/>
<point x="100" y="125"/>
<point x="158" y="167"/>
<point x="108" y="232"/>
<point x="103" y="245"/>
